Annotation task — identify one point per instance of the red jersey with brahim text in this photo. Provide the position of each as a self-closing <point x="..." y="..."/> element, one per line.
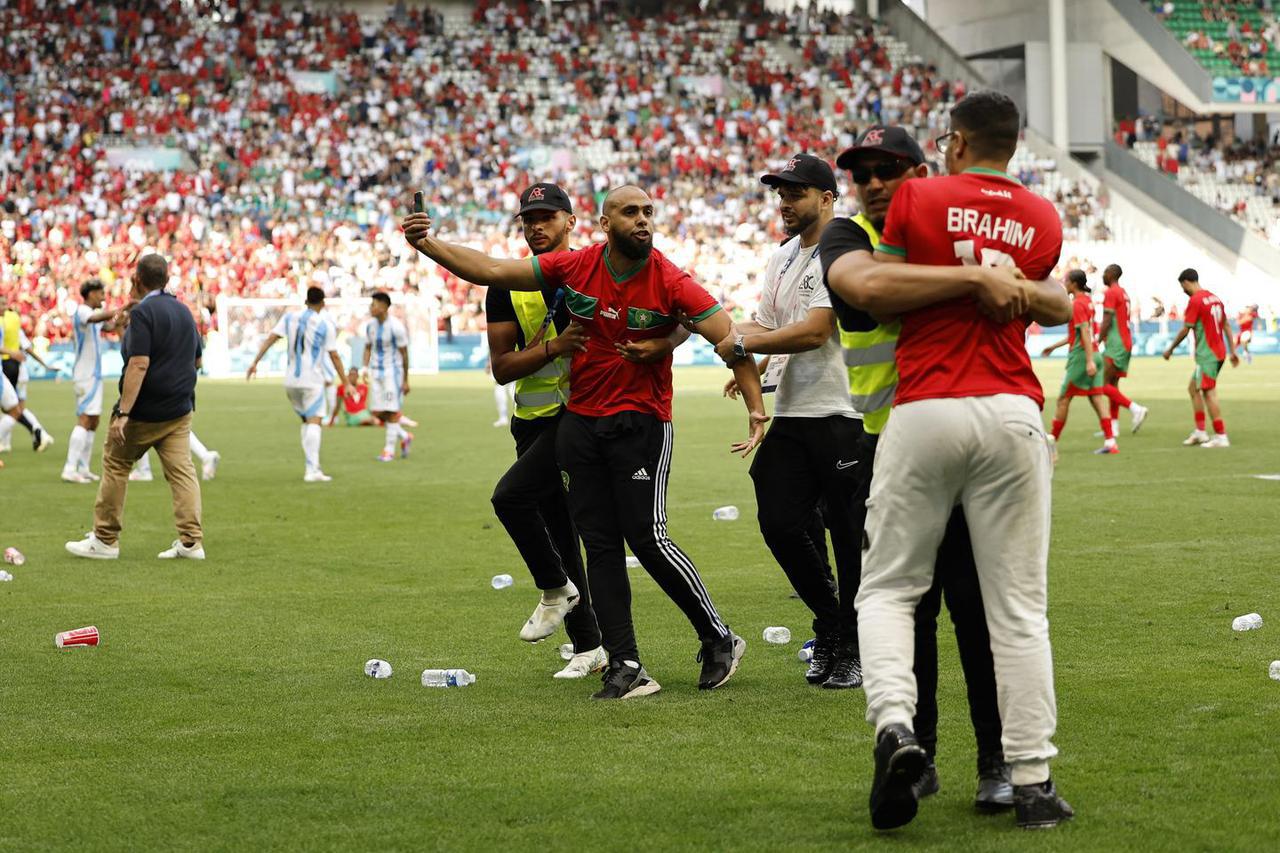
<point x="1117" y="301"/>
<point x="979" y="217"/>
<point x="1206" y="313"/>
<point x="617" y="302"/>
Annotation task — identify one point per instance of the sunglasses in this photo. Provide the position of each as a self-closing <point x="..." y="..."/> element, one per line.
<point x="943" y="142"/>
<point x="882" y="171"/>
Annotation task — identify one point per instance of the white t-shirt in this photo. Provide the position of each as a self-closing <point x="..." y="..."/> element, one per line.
<point x="816" y="383"/>
<point x="384" y="341"/>
<point x="311" y="337"/>
<point x="88" y="337"/>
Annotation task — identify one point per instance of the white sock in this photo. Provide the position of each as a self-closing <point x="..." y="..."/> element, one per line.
<point x="35" y="422"/>
<point x="330" y="400"/>
<point x="311" y="445"/>
<point x="393" y="435"/>
<point x="500" y="398"/>
<point x="1115" y="426"/>
<point x="197" y="447"/>
<point x="6" y="428"/>
<point x="86" y="449"/>
<point x="74" y="450"/>
<point x="143" y="465"/>
<point x="404" y="433"/>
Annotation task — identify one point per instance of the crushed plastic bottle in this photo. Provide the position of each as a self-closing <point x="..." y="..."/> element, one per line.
<point x="5" y="576"/>
<point x="502" y="581"/>
<point x="375" y="668"/>
<point x="633" y="562"/>
<point x="1274" y="671"/>
<point x="1247" y="622"/>
<point x="14" y="556"/>
<point x="806" y="651"/>
<point x="777" y="635"/>
<point x="447" y="678"/>
<point x="725" y="513"/>
<point x="566" y="651"/>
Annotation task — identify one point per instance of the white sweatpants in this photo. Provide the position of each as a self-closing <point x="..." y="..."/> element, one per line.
<point x="990" y="455"/>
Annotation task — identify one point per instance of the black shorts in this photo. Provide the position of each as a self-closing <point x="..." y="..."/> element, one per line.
<point x="11" y="368"/>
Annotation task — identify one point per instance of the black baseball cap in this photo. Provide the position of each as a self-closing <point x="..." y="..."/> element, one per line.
<point x="804" y="169"/>
<point x="886" y="139"/>
<point x="544" y="197"/>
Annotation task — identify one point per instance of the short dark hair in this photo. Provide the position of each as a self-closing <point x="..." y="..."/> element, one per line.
<point x="380" y="296"/>
<point x="1078" y="278"/>
<point x="1114" y="270"/>
<point x="990" y="121"/>
<point x="1189" y="274"/>
<point x="89" y="287"/>
<point x="315" y="295"/>
<point x="153" y="271"/>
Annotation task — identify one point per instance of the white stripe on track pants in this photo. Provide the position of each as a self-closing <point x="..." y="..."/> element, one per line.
<point x="990" y="455"/>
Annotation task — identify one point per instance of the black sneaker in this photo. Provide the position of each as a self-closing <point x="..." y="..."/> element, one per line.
<point x="1039" y="806"/>
<point x="847" y="673"/>
<point x="37" y="436"/>
<point x="900" y="764"/>
<point x="626" y="680"/>
<point x="929" y="783"/>
<point x="995" y="791"/>
<point x="720" y="660"/>
<point x="824" y="658"/>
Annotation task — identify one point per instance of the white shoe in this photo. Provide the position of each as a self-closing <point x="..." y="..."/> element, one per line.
<point x="91" y="548"/>
<point x="408" y="421"/>
<point x="1198" y="436"/>
<point x="1217" y="441"/>
<point x="584" y="663"/>
<point x="499" y="423"/>
<point x="549" y="613"/>
<point x="210" y="468"/>
<point x="140" y="477"/>
<point x="46" y="441"/>
<point x="93" y="478"/>
<point x="1139" y="415"/>
<point x="316" y="477"/>
<point x="74" y="477"/>
<point x="179" y="550"/>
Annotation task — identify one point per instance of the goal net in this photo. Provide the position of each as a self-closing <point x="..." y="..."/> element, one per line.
<point x="243" y="324"/>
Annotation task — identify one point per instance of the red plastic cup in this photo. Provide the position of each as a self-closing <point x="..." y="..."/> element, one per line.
<point x="78" y="637"/>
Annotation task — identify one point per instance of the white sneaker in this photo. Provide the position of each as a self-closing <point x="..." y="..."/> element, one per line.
<point x="92" y="549"/>
<point x="499" y="423"/>
<point x="549" y="613"/>
<point x="140" y="477"/>
<point x="210" y="468"/>
<point x="46" y="441"/>
<point x="93" y="478"/>
<point x="1217" y="441"/>
<point x="584" y="663"/>
<point x="1139" y="414"/>
<point x="179" y="550"/>
<point x="74" y="477"/>
<point x="1198" y="436"/>
<point x="316" y="477"/>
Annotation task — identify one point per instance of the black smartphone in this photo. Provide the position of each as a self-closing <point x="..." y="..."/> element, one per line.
<point x="417" y="203"/>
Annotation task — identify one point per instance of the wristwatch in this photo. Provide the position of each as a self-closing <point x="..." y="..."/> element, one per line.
<point x="738" y="349"/>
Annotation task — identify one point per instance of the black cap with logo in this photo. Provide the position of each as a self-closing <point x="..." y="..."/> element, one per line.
<point x="804" y="169"/>
<point x="544" y="197"/>
<point x="892" y="140"/>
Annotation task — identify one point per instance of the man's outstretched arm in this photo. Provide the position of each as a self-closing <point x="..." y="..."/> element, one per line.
<point x="468" y="264"/>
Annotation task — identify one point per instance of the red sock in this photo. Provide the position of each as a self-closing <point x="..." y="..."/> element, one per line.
<point x="1106" y="428"/>
<point x="1117" y="399"/>
<point x="1057" y="429"/>
<point x="1219" y="427"/>
<point x="1200" y="421"/>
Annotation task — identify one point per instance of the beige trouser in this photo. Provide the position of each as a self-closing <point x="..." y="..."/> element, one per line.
<point x="172" y="442"/>
<point x="990" y="455"/>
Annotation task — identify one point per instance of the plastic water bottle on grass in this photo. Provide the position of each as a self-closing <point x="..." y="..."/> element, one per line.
<point x="1274" y="671"/>
<point x="806" y="651"/>
<point x="502" y="581"/>
<point x="1247" y="622"/>
<point x="447" y="678"/>
<point x="5" y="576"/>
<point x="725" y="513"/>
<point x="777" y="635"/>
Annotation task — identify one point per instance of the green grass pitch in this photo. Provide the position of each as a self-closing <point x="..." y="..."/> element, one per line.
<point x="227" y="709"/>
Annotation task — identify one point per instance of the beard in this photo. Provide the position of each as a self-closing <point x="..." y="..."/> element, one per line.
<point x="635" y="249"/>
<point x="800" y="225"/>
<point x="553" y="240"/>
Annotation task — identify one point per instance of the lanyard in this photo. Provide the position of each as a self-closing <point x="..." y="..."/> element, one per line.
<point x="782" y="274"/>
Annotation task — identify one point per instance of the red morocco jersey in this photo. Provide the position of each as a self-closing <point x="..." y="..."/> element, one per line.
<point x="979" y="217"/>
<point x="1206" y="313"/>
<point x="1117" y="301"/>
<point x="627" y="302"/>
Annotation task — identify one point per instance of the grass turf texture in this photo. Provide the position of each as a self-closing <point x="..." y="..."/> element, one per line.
<point x="226" y="708"/>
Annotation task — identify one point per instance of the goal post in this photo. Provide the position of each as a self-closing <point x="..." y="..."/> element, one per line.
<point x="244" y="323"/>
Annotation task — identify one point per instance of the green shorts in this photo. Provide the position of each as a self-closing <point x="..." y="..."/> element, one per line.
<point x="1119" y="357"/>
<point x="1206" y="375"/>
<point x="1077" y="382"/>
<point x="357" y="419"/>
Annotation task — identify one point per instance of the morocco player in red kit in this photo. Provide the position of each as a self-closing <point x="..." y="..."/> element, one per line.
<point x="1207" y="317"/>
<point x="964" y="429"/>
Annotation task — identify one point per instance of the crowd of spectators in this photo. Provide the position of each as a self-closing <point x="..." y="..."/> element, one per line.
<point x="304" y="129"/>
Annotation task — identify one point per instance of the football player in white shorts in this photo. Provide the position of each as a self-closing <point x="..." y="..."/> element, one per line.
<point x="87" y="320"/>
<point x="386" y="368"/>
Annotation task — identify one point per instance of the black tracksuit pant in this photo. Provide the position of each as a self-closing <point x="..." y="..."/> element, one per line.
<point x="616" y="470"/>
<point x="806" y="465"/>
<point x="955" y="578"/>
<point x="530" y="502"/>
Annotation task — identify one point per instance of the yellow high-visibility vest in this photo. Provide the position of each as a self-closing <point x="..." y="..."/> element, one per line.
<point x="869" y="358"/>
<point x="12" y="331"/>
<point x="541" y="394"/>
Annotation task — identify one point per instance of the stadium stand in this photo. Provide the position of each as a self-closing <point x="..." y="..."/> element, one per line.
<point x="1227" y="38"/>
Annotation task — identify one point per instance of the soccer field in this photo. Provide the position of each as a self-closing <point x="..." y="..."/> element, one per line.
<point x="227" y="708"/>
